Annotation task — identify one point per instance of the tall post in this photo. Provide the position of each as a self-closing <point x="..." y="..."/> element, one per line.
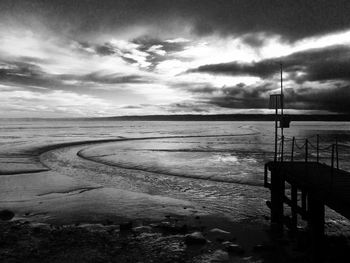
<point x="336" y="152"/>
<point x="276" y="130"/>
<point x="282" y="99"/>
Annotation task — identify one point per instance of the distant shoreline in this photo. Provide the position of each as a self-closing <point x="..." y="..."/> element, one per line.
<point x="195" y="117"/>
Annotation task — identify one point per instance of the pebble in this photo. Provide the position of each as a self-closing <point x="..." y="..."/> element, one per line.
<point x="196" y="238"/>
<point x="219" y="234"/>
<point x="220" y="256"/>
<point x="219" y="231"/>
<point x="140" y="229"/>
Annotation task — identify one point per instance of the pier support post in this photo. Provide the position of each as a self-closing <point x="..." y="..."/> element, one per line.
<point x="277" y="196"/>
<point x="316" y="220"/>
<point x="294" y="197"/>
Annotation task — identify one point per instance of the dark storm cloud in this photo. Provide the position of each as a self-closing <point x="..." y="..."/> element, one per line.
<point x="240" y="96"/>
<point x="331" y="63"/>
<point x="204" y="90"/>
<point x="261" y="69"/>
<point x="105" y="50"/>
<point x="107" y="79"/>
<point x="24" y="74"/>
<point x="131" y="107"/>
<point x="334" y="98"/>
<point x="195" y="88"/>
<point x="32" y="75"/>
<point x="187" y="107"/>
<point x="293" y="19"/>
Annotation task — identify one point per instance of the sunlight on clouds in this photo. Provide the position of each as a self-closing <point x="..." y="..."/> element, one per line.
<point x="159" y="93"/>
<point x="177" y="40"/>
<point x="211" y="51"/>
<point x="172" y="67"/>
<point x="217" y="50"/>
<point x="220" y="80"/>
<point x="58" y="56"/>
<point x="276" y="47"/>
<point x="54" y="103"/>
<point x="342" y="38"/>
<point x="22" y="44"/>
<point x="130" y="50"/>
<point x="157" y="49"/>
<point x="73" y="62"/>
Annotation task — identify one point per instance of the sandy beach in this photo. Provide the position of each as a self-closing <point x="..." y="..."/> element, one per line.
<point x="75" y="196"/>
<point x="43" y="198"/>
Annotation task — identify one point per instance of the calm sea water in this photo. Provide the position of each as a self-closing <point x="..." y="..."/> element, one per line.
<point x="213" y="163"/>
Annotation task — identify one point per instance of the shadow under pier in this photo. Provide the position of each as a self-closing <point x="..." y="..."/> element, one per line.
<point x="313" y="186"/>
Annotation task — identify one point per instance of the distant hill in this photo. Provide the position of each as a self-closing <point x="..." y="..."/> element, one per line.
<point x="196" y="117"/>
<point x="230" y="117"/>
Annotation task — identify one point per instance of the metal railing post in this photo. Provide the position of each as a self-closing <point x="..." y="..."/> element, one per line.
<point x="306" y="149"/>
<point x="292" y="155"/>
<point x="282" y="148"/>
<point x="317" y="148"/>
<point x="336" y="152"/>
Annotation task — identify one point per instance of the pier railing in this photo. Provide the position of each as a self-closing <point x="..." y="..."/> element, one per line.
<point x="315" y="148"/>
<point x="309" y="149"/>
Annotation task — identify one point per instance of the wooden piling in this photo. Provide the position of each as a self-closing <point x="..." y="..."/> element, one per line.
<point x="294" y="197"/>
<point x="303" y="202"/>
<point x="277" y="199"/>
<point x="316" y="220"/>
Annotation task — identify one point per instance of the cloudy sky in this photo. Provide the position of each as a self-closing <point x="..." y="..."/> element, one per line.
<point x="72" y="58"/>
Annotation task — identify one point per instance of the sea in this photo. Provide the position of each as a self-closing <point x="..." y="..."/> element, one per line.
<point x="219" y="165"/>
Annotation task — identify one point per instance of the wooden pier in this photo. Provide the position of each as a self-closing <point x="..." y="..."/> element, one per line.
<point x="311" y="185"/>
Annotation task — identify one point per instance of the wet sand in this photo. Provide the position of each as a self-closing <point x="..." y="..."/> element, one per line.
<point x="63" y="211"/>
<point x="54" y="212"/>
<point x="47" y="204"/>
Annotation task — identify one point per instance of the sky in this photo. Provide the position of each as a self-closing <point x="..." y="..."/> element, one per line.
<point x="91" y="58"/>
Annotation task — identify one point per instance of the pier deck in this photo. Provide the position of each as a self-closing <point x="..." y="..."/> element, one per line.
<point x="327" y="184"/>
